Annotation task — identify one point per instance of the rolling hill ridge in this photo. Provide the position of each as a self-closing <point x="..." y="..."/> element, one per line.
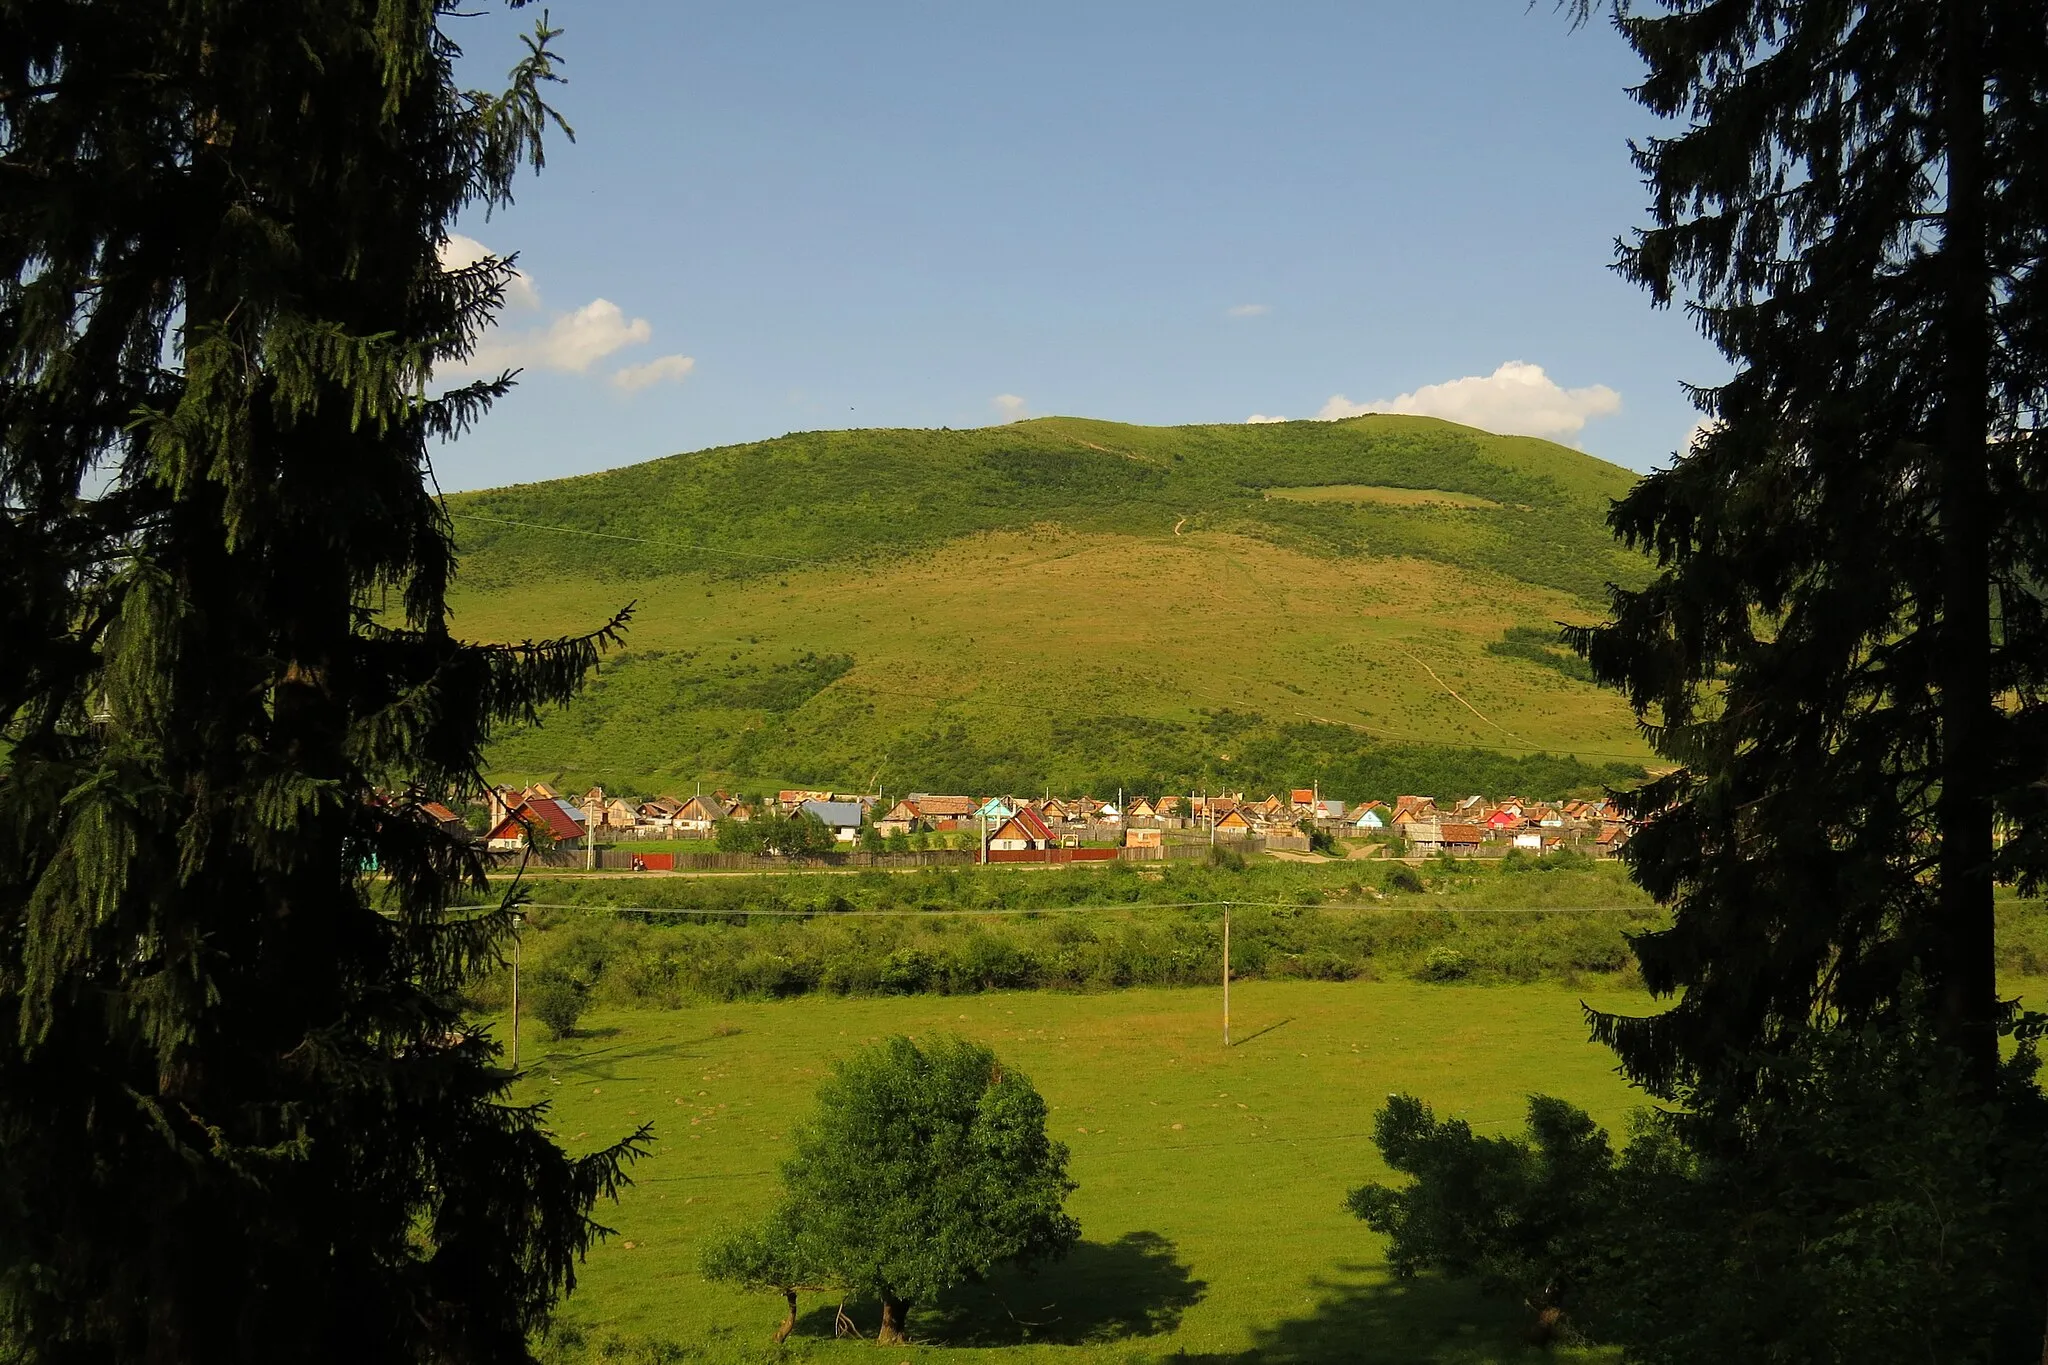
<point x="1072" y="603"/>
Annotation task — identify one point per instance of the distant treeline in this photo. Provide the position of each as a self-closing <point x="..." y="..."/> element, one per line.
<point x="710" y="953"/>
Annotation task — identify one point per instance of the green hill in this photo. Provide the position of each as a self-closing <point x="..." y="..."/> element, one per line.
<point x="1072" y="603"/>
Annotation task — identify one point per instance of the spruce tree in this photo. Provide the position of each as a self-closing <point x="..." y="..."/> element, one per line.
<point x="242" y="1116"/>
<point x="1845" y="648"/>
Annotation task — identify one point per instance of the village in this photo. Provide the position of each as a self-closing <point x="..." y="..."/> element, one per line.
<point x="994" y="829"/>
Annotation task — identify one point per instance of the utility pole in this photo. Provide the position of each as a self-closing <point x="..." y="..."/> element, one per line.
<point x="517" y="922"/>
<point x="984" y="835"/>
<point x="1226" y="973"/>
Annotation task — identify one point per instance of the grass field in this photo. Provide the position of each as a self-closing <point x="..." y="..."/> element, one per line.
<point x="1211" y="1180"/>
<point x="1069" y="603"/>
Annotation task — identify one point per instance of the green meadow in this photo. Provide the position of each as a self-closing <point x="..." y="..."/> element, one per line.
<point x="1211" y="1179"/>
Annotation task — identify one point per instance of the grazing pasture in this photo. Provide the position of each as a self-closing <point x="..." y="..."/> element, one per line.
<point x="1211" y="1181"/>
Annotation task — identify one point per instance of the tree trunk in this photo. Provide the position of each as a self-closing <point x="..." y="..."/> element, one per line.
<point x="1962" y="947"/>
<point x="894" y="1312"/>
<point x="788" y="1323"/>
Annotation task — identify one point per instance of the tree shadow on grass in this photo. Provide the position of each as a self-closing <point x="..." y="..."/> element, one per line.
<point x="1103" y="1291"/>
<point x="1362" y="1317"/>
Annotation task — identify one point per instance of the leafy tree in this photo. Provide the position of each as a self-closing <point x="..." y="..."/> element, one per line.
<point x="1846" y="645"/>
<point x="741" y="836"/>
<point x="241" y="1114"/>
<point x="772" y="1257"/>
<point x="870" y="838"/>
<point x="924" y="1168"/>
<point x="802" y="835"/>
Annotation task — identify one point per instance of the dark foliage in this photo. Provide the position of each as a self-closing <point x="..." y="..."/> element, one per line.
<point x="1846" y="644"/>
<point x="1525" y="1216"/>
<point x="242" y="1116"/>
<point x="1886" y="1215"/>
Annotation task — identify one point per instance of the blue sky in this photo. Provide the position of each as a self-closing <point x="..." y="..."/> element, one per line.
<point x="785" y="216"/>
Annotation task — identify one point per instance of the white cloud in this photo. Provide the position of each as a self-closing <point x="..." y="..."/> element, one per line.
<point x="1516" y="399"/>
<point x="634" y="378"/>
<point x="573" y="342"/>
<point x="1010" y="406"/>
<point x="1258" y="417"/>
<point x="1248" y="310"/>
<point x="459" y="251"/>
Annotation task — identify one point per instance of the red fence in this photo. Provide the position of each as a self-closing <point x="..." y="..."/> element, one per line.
<point x="1053" y="855"/>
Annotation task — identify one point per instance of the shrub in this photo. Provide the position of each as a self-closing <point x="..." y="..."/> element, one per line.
<point x="1404" y="878"/>
<point x="1444" y="964"/>
<point x="556" y="1000"/>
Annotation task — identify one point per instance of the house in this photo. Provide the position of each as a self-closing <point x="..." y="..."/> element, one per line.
<point x="553" y="817"/>
<point x="1328" y="808"/>
<point x="841" y="817"/>
<point x="700" y="816"/>
<point x="790" y="802"/>
<point x="1303" y="799"/>
<point x="1272" y="808"/>
<point x="1613" y="835"/>
<point x="1371" y="817"/>
<point x="1529" y="840"/>
<point x="1233" y="824"/>
<point x="1167" y="807"/>
<point x="1143" y="838"/>
<point x="620" y="813"/>
<point x="1021" y="831"/>
<point x="661" y="811"/>
<point x="935" y="807"/>
<point x="1417" y="819"/>
<point x="1141" y="809"/>
<point x="995" y="810"/>
<point x="1054" y="811"/>
<point x="448" y="820"/>
<point x="1459" y="837"/>
<point x="905" y="817"/>
<point x="1109" y="814"/>
<point x="1505" y="819"/>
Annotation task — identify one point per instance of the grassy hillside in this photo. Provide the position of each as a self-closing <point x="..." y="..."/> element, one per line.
<point x="1072" y="603"/>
